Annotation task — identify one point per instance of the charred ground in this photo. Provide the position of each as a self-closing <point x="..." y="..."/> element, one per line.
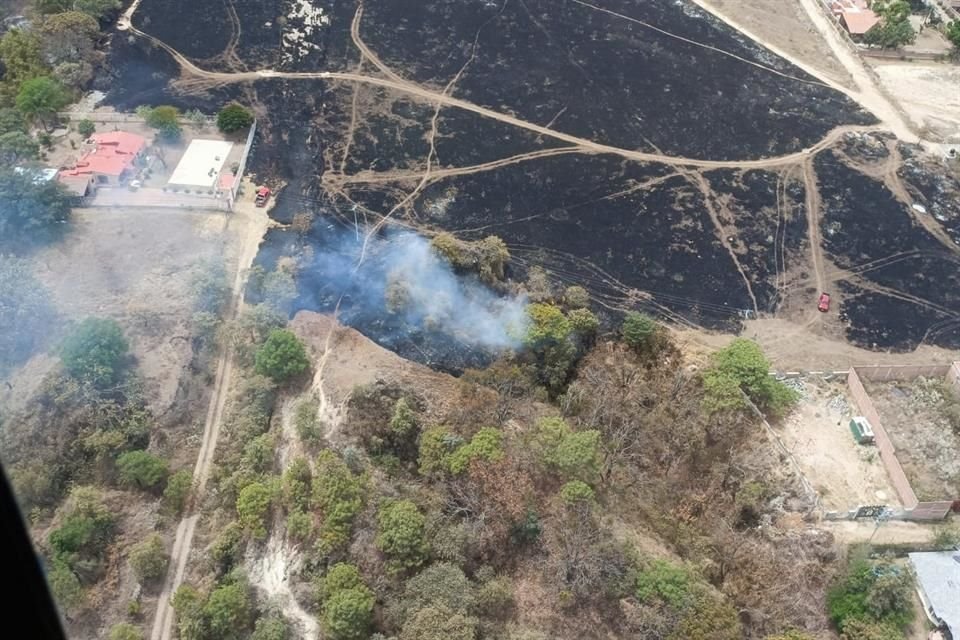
<point x="698" y="246"/>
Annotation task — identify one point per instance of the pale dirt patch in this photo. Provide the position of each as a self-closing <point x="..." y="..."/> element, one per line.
<point x="849" y="532"/>
<point x="786" y="26"/>
<point x="844" y="473"/>
<point x="270" y="568"/>
<point x="928" y="93"/>
<point x="134" y="265"/>
<point x="800" y="344"/>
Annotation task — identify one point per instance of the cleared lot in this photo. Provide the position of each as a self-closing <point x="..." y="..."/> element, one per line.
<point x="844" y="473"/>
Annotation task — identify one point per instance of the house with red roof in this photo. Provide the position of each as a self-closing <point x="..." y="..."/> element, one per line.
<point x="855" y="16"/>
<point x="112" y="161"/>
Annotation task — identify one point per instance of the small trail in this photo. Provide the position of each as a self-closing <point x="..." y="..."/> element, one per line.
<point x="431" y="96"/>
<point x="812" y="192"/>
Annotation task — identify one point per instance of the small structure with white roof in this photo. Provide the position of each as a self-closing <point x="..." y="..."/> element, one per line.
<point x="201" y="166"/>
<point x="938" y="583"/>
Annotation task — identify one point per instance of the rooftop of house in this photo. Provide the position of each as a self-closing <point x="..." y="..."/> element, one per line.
<point x="113" y="152"/>
<point x="938" y="576"/>
<point x="859" y="21"/>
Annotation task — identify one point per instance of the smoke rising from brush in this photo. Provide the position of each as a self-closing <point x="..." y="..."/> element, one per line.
<point x="403" y="283"/>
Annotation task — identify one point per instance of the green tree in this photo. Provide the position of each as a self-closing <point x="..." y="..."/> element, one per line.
<point x="234" y="117"/>
<point x="953" y="35"/>
<point x="272" y="626"/>
<point x="743" y="362"/>
<point x="30" y="210"/>
<point x="894" y="29"/>
<point x="17" y="146"/>
<point x="442" y="584"/>
<point x="69" y="36"/>
<point x="228" y="611"/>
<point x="860" y="629"/>
<point x="400" y="535"/>
<point x="65" y="587"/>
<point x="347" y="614"/>
<point x="21" y="57"/>
<point x="85" y="530"/>
<point x="86" y="128"/>
<point x="177" y="491"/>
<point x="338" y="495"/>
<point x="574" y="454"/>
<point x="94" y="351"/>
<point x="142" y="470"/>
<point x="41" y="98"/>
<point x="439" y="623"/>
<point x="583" y="322"/>
<point x="486" y="444"/>
<point x="664" y="581"/>
<point x="149" y="558"/>
<point x="166" y="120"/>
<point x="639" y="331"/>
<point x="253" y="505"/>
<point x="24" y="303"/>
<point x="875" y="592"/>
<point x="437" y="444"/>
<point x="125" y="631"/>
<point x="11" y="120"/>
<point x="282" y="356"/>
<point x="297" y="479"/>
<point x="548" y="337"/>
<point x="188" y="605"/>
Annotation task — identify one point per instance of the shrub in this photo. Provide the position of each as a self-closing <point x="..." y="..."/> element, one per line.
<point x="94" y="351"/>
<point x="125" y="631"/>
<point x="575" y="492"/>
<point x="437" y="444"/>
<point x="947" y="537"/>
<point x="665" y="581"/>
<point x="253" y="505"/>
<point x="576" y="297"/>
<point x="583" y="322"/>
<point x="86" y="529"/>
<point x="639" y="331"/>
<point x="439" y="584"/>
<point x="306" y="421"/>
<point x="400" y="535"/>
<point x="875" y="592"/>
<point x="166" y="120"/>
<point x="486" y="444"/>
<point x="297" y="480"/>
<point x="299" y="525"/>
<point x="142" y="470"/>
<point x="225" y="550"/>
<point x="573" y="454"/>
<point x="282" y="356"/>
<point x="495" y="597"/>
<point x="404" y="421"/>
<point x="439" y="623"/>
<point x="86" y="128"/>
<point x="149" y="558"/>
<point x="234" y="117"/>
<point x="179" y="487"/>
<point x="65" y="586"/>
<point x="188" y="606"/>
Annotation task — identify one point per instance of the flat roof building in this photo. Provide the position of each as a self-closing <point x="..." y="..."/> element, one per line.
<point x="201" y="164"/>
<point x="938" y="583"/>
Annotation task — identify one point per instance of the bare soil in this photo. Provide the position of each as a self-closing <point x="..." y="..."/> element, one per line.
<point x="927" y="448"/>
<point x="786" y="26"/>
<point x="844" y="473"/>
<point x="135" y="266"/>
<point x="921" y="89"/>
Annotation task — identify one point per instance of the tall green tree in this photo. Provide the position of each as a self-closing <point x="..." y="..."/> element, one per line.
<point x="31" y="210"/>
<point x="142" y="470"/>
<point x="95" y="351"/>
<point x="20" y="54"/>
<point x="149" y="558"/>
<point x="234" y="117"/>
<point x="41" y="98"/>
<point x="282" y="356"/>
<point x="166" y="120"/>
<point x="17" y="146"/>
<point x="401" y="534"/>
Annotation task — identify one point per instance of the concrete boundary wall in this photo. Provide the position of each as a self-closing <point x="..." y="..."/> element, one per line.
<point x="887" y="452"/>
<point x="243" y="164"/>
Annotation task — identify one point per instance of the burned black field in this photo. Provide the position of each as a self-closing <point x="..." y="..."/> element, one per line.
<point x="557" y="97"/>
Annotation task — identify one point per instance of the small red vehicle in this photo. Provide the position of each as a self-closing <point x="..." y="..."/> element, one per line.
<point x="263" y="194"/>
<point x="824" y="303"/>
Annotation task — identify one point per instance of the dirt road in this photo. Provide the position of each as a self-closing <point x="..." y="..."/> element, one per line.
<point x="255" y="224"/>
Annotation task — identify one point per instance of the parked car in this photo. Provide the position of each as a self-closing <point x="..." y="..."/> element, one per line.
<point x="824" y="303"/>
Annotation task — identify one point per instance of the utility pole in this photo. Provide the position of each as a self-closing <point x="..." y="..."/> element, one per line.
<point x="882" y="517"/>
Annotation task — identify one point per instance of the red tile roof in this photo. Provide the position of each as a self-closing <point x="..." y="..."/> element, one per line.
<point x="113" y="154"/>
<point x="859" y="22"/>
